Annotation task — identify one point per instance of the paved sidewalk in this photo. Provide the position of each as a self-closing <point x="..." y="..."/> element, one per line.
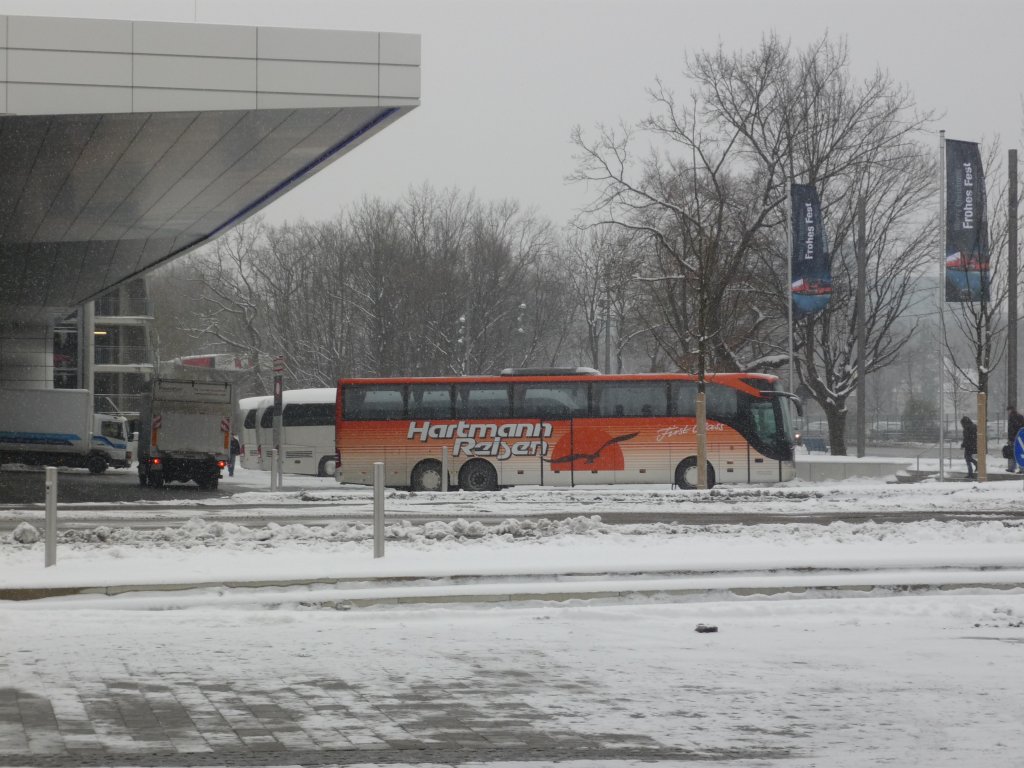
<point x="190" y="688"/>
<point x="844" y="683"/>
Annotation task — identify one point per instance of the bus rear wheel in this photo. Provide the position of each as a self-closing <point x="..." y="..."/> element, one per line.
<point x="321" y="468"/>
<point x="478" y="475"/>
<point x="686" y="474"/>
<point x="426" y="476"/>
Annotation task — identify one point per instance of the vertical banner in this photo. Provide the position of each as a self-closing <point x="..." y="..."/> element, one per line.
<point x="967" y="274"/>
<point x="811" y="285"/>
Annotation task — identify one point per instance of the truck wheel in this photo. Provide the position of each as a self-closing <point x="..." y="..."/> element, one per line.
<point x="156" y="479"/>
<point x="96" y="464"/>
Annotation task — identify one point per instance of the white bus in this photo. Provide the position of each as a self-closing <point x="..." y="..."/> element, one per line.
<point x="248" y="436"/>
<point x="307" y="430"/>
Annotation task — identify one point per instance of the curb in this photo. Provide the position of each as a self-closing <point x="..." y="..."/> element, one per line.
<point x="406" y="590"/>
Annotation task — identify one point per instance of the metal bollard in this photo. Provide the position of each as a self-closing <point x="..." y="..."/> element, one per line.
<point x="444" y="468"/>
<point x="51" y="516"/>
<point x="378" y="509"/>
<point x="273" y="469"/>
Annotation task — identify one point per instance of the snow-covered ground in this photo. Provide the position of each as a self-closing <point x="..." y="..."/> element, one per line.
<point x="930" y="678"/>
<point x="923" y="681"/>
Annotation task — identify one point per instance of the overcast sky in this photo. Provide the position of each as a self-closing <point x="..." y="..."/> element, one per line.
<point x="504" y="81"/>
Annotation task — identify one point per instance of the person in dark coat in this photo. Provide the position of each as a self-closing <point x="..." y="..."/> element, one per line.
<point x="1014" y="424"/>
<point x="970" y="445"/>
<point x="236" y="448"/>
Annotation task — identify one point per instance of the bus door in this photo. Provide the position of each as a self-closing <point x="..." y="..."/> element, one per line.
<point x="250" y="443"/>
<point x="728" y="449"/>
<point x="265" y="434"/>
<point x="762" y="417"/>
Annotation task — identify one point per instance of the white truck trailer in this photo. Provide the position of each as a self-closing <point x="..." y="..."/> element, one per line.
<point x="185" y="431"/>
<point x="58" y="427"/>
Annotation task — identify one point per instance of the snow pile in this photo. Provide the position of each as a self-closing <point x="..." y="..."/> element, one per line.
<point x="198" y="533"/>
<point x="25" y="533"/>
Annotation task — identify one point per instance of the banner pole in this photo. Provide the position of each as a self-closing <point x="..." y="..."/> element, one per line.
<point x="789" y="272"/>
<point x="942" y="301"/>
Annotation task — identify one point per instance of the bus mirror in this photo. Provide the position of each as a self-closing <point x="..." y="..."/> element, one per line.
<point x="797" y="402"/>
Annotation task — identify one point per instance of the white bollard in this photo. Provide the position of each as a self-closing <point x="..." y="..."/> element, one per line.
<point x="51" y="516"/>
<point x="273" y="469"/>
<point x="378" y="509"/>
<point x="444" y="468"/>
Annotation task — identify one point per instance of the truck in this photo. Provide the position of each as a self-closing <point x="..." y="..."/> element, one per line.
<point x="59" y="427"/>
<point x="184" y="431"/>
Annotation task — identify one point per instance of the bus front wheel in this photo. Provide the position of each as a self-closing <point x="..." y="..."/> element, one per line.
<point x="426" y="476"/>
<point x="478" y="475"/>
<point x="686" y="474"/>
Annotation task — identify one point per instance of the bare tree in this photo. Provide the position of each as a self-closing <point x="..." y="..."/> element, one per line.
<point x="709" y="200"/>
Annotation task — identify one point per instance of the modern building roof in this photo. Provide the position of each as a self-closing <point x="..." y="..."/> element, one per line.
<point x="125" y="143"/>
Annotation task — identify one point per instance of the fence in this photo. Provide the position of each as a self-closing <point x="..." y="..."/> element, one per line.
<point x="895" y="429"/>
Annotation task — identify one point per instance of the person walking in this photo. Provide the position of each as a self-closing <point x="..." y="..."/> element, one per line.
<point x="236" y="448"/>
<point x="970" y="446"/>
<point x="1014" y="424"/>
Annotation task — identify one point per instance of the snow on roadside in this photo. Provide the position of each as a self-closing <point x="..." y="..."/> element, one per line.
<point x="202" y="551"/>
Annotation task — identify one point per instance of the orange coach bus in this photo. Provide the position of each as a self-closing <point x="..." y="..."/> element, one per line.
<point x="561" y="427"/>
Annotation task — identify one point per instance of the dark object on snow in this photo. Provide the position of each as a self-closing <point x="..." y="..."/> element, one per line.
<point x="706" y="628"/>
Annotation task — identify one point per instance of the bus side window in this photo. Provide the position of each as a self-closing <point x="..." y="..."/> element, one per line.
<point x="557" y="400"/>
<point x="308" y="415"/>
<point x="684" y="398"/>
<point x="430" y="401"/>
<point x="481" y="401"/>
<point x="630" y="398"/>
<point x="373" y="402"/>
<point x="722" y="403"/>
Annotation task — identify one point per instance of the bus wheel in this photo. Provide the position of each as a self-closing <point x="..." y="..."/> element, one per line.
<point x="426" y="476"/>
<point x="686" y="474"/>
<point x="321" y="468"/>
<point x="478" y="475"/>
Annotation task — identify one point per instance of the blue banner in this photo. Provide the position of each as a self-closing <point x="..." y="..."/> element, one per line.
<point x="811" y="287"/>
<point x="967" y="265"/>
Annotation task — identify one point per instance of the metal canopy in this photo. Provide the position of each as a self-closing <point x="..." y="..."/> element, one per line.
<point x="87" y="201"/>
<point x="126" y="143"/>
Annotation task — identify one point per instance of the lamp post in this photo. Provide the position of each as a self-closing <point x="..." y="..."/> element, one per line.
<point x="463" y="343"/>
